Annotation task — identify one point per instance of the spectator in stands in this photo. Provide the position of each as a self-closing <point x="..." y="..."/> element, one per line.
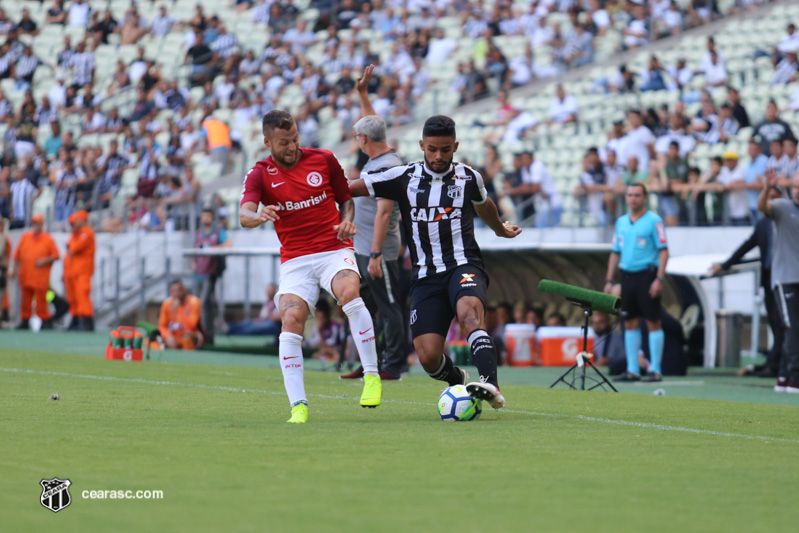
<point x="680" y="74"/>
<point x="217" y="139"/>
<point x="179" y="322"/>
<point x="83" y="64"/>
<point x="652" y="78"/>
<point x="520" y="192"/>
<point x="22" y="195"/>
<point x="637" y="31"/>
<point x="714" y="71"/>
<point x="563" y="108"/>
<point x="162" y="24"/>
<point x="596" y="186"/>
<point x="35" y="254"/>
<point x="579" y="47"/>
<point x="789" y="162"/>
<point x="99" y="30"/>
<point x="738" y="110"/>
<point x="785" y="69"/>
<point x="772" y="128"/>
<point x="268" y="321"/>
<point x="755" y="172"/>
<point x="633" y="173"/>
<point x="56" y="14"/>
<point x="639" y="142"/>
<point x="733" y="178"/>
<point x="673" y="175"/>
<point x="707" y="183"/>
<point x="79" y="14"/>
<point x="701" y="11"/>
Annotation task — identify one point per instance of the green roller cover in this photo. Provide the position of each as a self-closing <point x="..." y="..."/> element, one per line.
<point x="599" y="301"/>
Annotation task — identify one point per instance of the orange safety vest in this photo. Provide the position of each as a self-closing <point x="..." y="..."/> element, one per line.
<point x="31" y="248"/>
<point x="80" y="253"/>
<point x="217" y="133"/>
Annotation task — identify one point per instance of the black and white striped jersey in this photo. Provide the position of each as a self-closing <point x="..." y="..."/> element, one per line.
<point x="437" y="212"/>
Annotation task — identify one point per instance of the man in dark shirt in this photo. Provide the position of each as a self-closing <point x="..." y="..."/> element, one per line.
<point x="199" y="54"/>
<point x="738" y="110"/>
<point x="772" y="128"/>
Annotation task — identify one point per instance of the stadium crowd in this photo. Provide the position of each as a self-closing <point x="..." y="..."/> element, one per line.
<point x="51" y="141"/>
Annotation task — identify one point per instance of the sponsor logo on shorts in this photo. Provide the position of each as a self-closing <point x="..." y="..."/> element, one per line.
<point x="314" y="179"/>
<point x="413" y="317"/>
<point x="414" y="190"/>
<point x="296" y="206"/>
<point x="434" y="214"/>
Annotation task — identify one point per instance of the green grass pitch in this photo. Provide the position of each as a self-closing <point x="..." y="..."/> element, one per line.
<point x="215" y="441"/>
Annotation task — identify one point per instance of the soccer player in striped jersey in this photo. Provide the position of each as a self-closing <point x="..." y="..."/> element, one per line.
<point x="438" y="200"/>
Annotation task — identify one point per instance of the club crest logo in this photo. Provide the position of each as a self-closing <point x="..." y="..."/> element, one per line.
<point x="55" y="494"/>
<point x="314" y="179"/>
<point x="455" y="191"/>
<point x="272" y="171"/>
<point x="413" y="316"/>
<point x="349" y="261"/>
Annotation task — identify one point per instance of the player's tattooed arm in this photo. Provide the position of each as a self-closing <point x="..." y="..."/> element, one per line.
<point x="488" y="212"/>
<point x="346" y="229"/>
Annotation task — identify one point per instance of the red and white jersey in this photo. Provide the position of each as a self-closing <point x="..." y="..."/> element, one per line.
<point x="306" y="197"/>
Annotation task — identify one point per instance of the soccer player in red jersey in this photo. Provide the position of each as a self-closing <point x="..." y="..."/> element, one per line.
<point x="299" y="189"/>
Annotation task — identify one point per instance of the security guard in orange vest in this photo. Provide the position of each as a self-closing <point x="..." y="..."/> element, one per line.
<point x="78" y="270"/>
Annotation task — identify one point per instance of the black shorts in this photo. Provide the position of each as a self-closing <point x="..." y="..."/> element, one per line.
<point x="635" y="299"/>
<point x="434" y="298"/>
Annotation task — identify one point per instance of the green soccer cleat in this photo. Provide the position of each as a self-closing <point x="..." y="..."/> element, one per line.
<point x="372" y="391"/>
<point x="299" y="414"/>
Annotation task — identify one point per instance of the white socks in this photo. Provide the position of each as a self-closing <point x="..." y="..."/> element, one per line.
<point x="363" y="333"/>
<point x="290" y="354"/>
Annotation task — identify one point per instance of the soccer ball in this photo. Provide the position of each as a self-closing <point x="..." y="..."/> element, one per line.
<point x="456" y="404"/>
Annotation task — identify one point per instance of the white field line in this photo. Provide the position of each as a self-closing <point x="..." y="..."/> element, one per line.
<point x="344" y="397"/>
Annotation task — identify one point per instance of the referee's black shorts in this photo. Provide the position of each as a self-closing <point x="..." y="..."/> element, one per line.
<point x="635" y="299"/>
<point x="434" y="298"/>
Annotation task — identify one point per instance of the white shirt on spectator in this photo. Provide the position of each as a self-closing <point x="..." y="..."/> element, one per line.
<point x="715" y="74"/>
<point x="640" y="33"/>
<point x="561" y="111"/>
<point x="737" y="200"/>
<point x="520" y="71"/>
<point x="224" y="90"/>
<point x="57" y="95"/>
<point x="793" y="105"/>
<point x="682" y="76"/>
<point x="601" y="18"/>
<point x="686" y="142"/>
<point x="548" y="196"/>
<point x="542" y="36"/>
<point x="636" y="143"/>
<point x="789" y="43"/>
<point x="79" y="14"/>
<point x="440" y="49"/>
<point x="672" y="18"/>
<point x="517" y="126"/>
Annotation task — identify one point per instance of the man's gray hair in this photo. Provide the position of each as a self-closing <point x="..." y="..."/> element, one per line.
<point x="373" y="127"/>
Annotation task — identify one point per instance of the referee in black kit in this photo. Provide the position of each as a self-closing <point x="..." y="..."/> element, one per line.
<point x="641" y="252"/>
<point x="438" y="200"/>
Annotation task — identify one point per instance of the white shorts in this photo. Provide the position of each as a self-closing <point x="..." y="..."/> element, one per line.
<point x="302" y="276"/>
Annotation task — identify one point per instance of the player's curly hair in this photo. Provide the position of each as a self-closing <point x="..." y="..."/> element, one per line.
<point x="276" y="119"/>
<point x="439" y="126"/>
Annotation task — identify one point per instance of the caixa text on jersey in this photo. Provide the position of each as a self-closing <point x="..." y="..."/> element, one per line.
<point x="434" y="214"/>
